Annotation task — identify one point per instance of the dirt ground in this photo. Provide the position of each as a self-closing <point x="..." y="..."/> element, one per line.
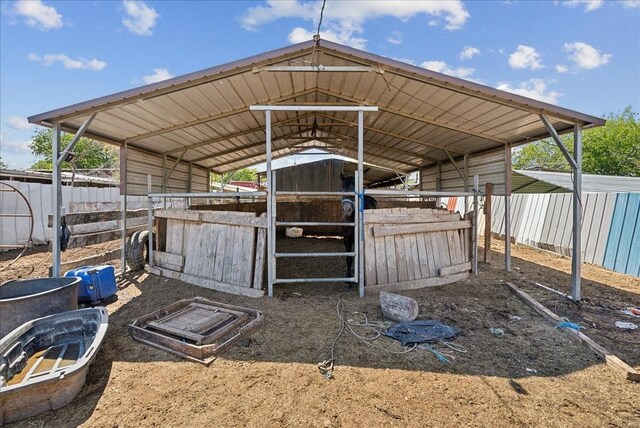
<point x="533" y="375"/>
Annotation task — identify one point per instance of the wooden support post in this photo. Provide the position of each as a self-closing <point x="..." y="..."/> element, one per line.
<point x="488" y="194"/>
<point x="474" y="239"/>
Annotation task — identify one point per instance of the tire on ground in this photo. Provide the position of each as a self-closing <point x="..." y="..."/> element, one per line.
<point x="135" y="249"/>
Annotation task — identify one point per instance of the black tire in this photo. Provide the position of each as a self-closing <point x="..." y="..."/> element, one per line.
<point x="137" y="250"/>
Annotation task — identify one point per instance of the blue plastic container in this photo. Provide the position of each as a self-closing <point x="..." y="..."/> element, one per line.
<point x="98" y="282"/>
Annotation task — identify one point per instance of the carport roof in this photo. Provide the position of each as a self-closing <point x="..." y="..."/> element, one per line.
<point x="424" y="116"/>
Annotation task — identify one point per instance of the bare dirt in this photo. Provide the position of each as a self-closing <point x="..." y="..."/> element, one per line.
<point x="533" y="375"/>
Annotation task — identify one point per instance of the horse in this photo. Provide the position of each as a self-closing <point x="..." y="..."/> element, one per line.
<point x="348" y="214"/>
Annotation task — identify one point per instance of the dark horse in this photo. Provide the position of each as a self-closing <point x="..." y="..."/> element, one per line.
<point x="348" y="213"/>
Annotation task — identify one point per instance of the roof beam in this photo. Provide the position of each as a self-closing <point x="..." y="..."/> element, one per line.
<point x="169" y="86"/>
<point x="556" y="138"/>
<point x="464" y="87"/>
<point x="380" y="146"/>
<point x="237" y="134"/>
<point x="247" y="147"/>
<point x="316" y="68"/>
<point x="390" y="134"/>
<point x="422" y="119"/>
<point x="257" y="155"/>
<point x="212" y="118"/>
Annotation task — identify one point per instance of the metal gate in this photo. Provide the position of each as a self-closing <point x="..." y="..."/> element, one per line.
<point x="272" y="195"/>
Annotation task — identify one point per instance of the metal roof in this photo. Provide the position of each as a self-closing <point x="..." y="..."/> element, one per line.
<point x="205" y="118"/>
<point x="562" y="182"/>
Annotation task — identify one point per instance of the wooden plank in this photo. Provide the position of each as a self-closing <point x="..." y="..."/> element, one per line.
<point x="164" y="257"/>
<point x="192" y="248"/>
<point x="369" y="255"/>
<point x="221" y="242"/>
<point x="450" y="270"/>
<point x="410" y="218"/>
<point x="616" y="363"/>
<point x="189" y="215"/>
<point x="454" y="251"/>
<point x="430" y="270"/>
<point x="420" y="228"/>
<point x="382" y="275"/>
<point x="205" y="282"/>
<point x="248" y="256"/>
<point x="99" y="237"/>
<point x="230" y="241"/>
<point x="400" y="257"/>
<point x="89" y="261"/>
<point x="97" y="216"/>
<point x="260" y="256"/>
<point x="234" y="218"/>
<point x="421" y="283"/>
<point x="104" y="226"/>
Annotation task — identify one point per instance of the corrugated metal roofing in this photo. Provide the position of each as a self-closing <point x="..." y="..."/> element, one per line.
<point x="562" y="182"/>
<point x="205" y="117"/>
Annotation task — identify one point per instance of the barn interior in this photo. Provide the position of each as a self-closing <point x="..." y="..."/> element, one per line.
<point x="457" y="134"/>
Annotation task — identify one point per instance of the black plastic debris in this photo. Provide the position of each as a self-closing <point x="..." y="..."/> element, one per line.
<point x="421" y="331"/>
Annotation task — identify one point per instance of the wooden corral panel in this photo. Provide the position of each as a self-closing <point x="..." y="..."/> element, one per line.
<point x="415" y="248"/>
<point x="213" y="249"/>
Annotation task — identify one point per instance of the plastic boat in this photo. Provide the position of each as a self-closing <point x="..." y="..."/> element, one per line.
<point x="44" y="362"/>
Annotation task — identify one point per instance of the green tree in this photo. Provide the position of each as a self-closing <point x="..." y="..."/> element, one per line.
<point x="2" y="164"/>
<point x="245" y="174"/>
<point x="89" y="154"/>
<point x="613" y="149"/>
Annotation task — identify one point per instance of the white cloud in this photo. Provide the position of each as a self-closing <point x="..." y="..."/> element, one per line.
<point x="631" y="3"/>
<point x="19" y="122"/>
<point x="589" y="5"/>
<point x="299" y="35"/>
<point x="469" y="52"/>
<point x="14" y="146"/>
<point x="158" y="75"/>
<point x="67" y="62"/>
<point x="395" y="38"/>
<point x="562" y="68"/>
<point x="37" y="14"/>
<point x="532" y="88"/>
<point x="443" y="67"/>
<point x="407" y="60"/>
<point x="344" y="20"/>
<point x="586" y="56"/>
<point x="140" y="18"/>
<point x="525" y="57"/>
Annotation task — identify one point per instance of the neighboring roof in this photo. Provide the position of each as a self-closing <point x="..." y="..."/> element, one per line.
<point x="562" y="182"/>
<point x="422" y="114"/>
<point x="45" y="177"/>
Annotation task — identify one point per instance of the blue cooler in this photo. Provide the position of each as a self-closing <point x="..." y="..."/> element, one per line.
<point x="98" y="282"/>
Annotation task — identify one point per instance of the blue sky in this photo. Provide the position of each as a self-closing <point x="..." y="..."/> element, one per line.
<point x="584" y="55"/>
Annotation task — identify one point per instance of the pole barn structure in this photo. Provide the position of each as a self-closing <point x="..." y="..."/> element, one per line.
<point x="317" y="94"/>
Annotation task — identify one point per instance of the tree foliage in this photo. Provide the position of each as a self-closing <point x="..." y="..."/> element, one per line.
<point x="89" y="154"/>
<point x="613" y="149"/>
<point x="245" y="174"/>
<point x="2" y="164"/>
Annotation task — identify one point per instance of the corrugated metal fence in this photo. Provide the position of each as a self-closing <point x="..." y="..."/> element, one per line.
<point x="15" y="231"/>
<point x="610" y="225"/>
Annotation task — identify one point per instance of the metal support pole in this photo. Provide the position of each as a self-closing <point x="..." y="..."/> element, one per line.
<point x="438" y="182"/>
<point x="57" y="202"/>
<point x="164" y="180"/>
<point x="576" y="260"/>
<point x="466" y="183"/>
<point x="360" y="218"/>
<point x="507" y="207"/>
<point x="123" y="196"/>
<point x="270" y="203"/>
<point x="474" y="255"/>
<point x="150" y="220"/>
